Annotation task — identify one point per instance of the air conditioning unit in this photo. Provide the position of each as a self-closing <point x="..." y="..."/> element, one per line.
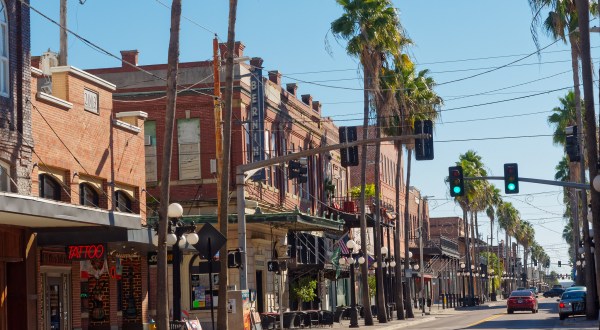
<point x="147" y="140"/>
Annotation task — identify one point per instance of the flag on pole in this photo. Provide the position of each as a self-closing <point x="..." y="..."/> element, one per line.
<point x="339" y="248"/>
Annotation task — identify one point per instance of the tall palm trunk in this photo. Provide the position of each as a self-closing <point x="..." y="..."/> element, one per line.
<point x="399" y="286"/>
<point x="363" y="214"/>
<point x="162" y="308"/>
<point x="478" y="252"/>
<point x="226" y="165"/>
<point x="489" y="255"/>
<point x="409" y="310"/>
<point x="377" y="233"/>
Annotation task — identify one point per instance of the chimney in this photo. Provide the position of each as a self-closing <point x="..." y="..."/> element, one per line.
<point x="316" y="105"/>
<point x="307" y="99"/>
<point x="292" y="88"/>
<point x="129" y="56"/>
<point x="275" y="77"/>
<point x="256" y="62"/>
<point x="238" y="49"/>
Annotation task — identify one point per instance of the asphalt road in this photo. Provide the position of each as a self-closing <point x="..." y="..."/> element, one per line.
<point x="494" y="316"/>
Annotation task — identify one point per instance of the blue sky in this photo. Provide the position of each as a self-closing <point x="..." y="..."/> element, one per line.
<point x="453" y="39"/>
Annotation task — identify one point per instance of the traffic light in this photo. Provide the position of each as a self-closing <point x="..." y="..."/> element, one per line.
<point x="234" y="259"/>
<point x="547" y="264"/>
<point x="511" y="178"/>
<point x="424" y="147"/>
<point x="559" y="263"/>
<point x="455" y="177"/>
<point x="349" y="155"/>
<point x="303" y="170"/>
<point x="571" y="144"/>
<point x="293" y="169"/>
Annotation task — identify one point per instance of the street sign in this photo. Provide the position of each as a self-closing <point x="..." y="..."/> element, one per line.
<point x="211" y="241"/>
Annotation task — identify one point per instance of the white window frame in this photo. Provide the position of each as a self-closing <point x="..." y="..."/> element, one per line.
<point x="4" y="56"/>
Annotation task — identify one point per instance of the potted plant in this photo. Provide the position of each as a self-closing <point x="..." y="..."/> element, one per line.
<point x="304" y="290"/>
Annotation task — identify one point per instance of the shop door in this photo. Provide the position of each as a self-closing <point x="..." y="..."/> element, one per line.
<point x="259" y="292"/>
<point x="57" y="302"/>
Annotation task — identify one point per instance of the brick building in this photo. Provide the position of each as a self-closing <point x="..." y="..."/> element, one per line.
<point x="279" y="211"/>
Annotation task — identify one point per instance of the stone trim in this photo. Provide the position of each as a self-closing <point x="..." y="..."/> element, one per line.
<point x="54" y="100"/>
<point x="126" y="126"/>
<point x="139" y="114"/>
<point x="85" y="75"/>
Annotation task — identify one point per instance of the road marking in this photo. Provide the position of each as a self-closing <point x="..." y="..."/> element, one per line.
<point x="495" y="316"/>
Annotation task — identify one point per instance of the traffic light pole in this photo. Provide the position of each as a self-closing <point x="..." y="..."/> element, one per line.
<point x="540" y="181"/>
<point x="240" y="175"/>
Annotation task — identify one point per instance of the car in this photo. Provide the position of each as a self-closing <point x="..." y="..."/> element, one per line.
<point x="571" y="303"/>
<point x="554" y="292"/>
<point x="521" y="300"/>
<point x="557" y="286"/>
<point x="576" y="288"/>
<point x="534" y="289"/>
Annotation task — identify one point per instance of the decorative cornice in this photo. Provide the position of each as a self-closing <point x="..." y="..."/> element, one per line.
<point x="54" y="100"/>
<point x="126" y="126"/>
<point x="139" y="114"/>
<point x="36" y="72"/>
<point x="84" y="75"/>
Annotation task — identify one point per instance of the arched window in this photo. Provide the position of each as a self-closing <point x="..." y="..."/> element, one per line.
<point x="4" y="67"/>
<point x="122" y="202"/>
<point x="4" y="182"/>
<point x="88" y="196"/>
<point x="49" y="187"/>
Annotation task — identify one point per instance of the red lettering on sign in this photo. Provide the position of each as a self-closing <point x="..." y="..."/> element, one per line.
<point x="83" y="252"/>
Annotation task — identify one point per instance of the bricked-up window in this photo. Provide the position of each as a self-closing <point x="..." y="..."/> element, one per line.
<point x="150" y="148"/>
<point x="88" y="196"/>
<point x="188" y="136"/>
<point x="4" y="180"/>
<point x="122" y="202"/>
<point x="4" y="69"/>
<point x="49" y="187"/>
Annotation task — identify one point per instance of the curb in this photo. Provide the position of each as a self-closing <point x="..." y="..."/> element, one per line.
<point x="407" y="323"/>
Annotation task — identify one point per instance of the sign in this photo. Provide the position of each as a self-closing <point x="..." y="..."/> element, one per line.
<point x="211" y="240"/>
<point x="231" y="306"/>
<point x="86" y="252"/>
<point x="90" y="101"/>
<point x="153" y="258"/>
<point x="257" y="120"/>
<point x="273" y="266"/>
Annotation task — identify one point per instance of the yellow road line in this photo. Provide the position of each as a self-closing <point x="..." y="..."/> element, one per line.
<point x="495" y="316"/>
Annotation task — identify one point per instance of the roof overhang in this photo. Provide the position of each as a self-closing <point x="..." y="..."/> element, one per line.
<point x="35" y="212"/>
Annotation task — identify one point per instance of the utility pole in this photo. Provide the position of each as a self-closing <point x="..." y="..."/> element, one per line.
<point x="165" y="180"/>
<point x="62" y="56"/>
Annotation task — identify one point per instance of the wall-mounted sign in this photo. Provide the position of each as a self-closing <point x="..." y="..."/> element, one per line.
<point x="86" y="252"/>
<point x="153" y="258"/>
<point x="124" y="255"/>
<point x="90" y="101"/>
<point x="257" y="121"/>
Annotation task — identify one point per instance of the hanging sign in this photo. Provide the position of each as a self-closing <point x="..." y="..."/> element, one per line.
<point x="86" y="252"/>
<point x="257" y="120"/>
<point x="153" y="258"/>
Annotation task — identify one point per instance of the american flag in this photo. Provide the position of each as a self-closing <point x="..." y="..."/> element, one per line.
<point x="342" y="244"/>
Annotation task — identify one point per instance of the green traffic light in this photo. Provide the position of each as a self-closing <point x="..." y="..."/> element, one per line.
<point x="456" y="189"/>
<point x="511" y="186"/>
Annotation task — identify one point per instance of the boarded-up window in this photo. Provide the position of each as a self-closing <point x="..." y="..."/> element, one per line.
<point x="188" y="136"/>
<point x="150" y="148"/>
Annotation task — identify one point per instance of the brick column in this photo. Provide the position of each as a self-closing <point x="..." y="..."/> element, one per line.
<point x="145" y="297"/>
<point x="76" y="295"/>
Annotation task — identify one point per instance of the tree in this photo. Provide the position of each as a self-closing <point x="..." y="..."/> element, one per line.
<point x="508" y="220"/>
<point x="162" y="302"/>
<point x="370" y="28"/>
<point x="305" y="290"/>
<point x="223" y="181"/>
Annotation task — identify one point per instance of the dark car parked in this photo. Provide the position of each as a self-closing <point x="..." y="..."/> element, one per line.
<point x="554" y="292"/>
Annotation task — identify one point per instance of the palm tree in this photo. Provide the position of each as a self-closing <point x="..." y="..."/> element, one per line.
<point x="525" y="237"/>
<point x="493" y="200"/>
<point x="508" y="220"/>
<point x="371" y="29"/>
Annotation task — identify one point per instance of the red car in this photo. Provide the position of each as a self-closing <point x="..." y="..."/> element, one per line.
<point x="522" y="300"/>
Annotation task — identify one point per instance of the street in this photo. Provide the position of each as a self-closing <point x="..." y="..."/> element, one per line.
<point x="494" y="316"/>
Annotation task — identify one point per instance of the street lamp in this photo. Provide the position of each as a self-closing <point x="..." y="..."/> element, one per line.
<point x="353" y="257"/>
<point x="179" y="235"/>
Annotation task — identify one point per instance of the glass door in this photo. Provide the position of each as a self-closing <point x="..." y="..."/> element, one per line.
<point x="57" y="302"/>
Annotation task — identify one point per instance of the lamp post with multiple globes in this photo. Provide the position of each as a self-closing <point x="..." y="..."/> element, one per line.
<point x="355" y="258"/>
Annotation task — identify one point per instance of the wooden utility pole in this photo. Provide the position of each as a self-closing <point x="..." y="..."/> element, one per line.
<point x="226" y="160"/>
<point x="62" y="56"/>
<point x="162" y="298"/>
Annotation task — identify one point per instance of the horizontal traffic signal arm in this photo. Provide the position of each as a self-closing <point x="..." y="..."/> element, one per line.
<point x="540" y="181"/>
<point x="240" y="169"/>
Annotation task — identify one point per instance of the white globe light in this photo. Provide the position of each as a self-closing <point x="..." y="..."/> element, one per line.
<point x="374" y="264"/>
<point x="361" y="260"/>
<point x="393" y="263"/>
<point x="409" y="254"/>
<point x="462" y="265"/>
<point x="578" y="263"/>
<point x="350" y="244"/>
<point x="351" y="261"/>
<point x="193" y="238"/>
<point x="596" y="183"/>
<point x="342" y="261"/>
<point x="581" y="250"/>
<point x="472" y="267"/>
<point x="175" y="210"/>
<point x="384" y="250"/>
<point x="416" y="267"/>
<point x="182" y="242"/>
<point x="155" y="240"/>
<point x="171" y="239"/>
